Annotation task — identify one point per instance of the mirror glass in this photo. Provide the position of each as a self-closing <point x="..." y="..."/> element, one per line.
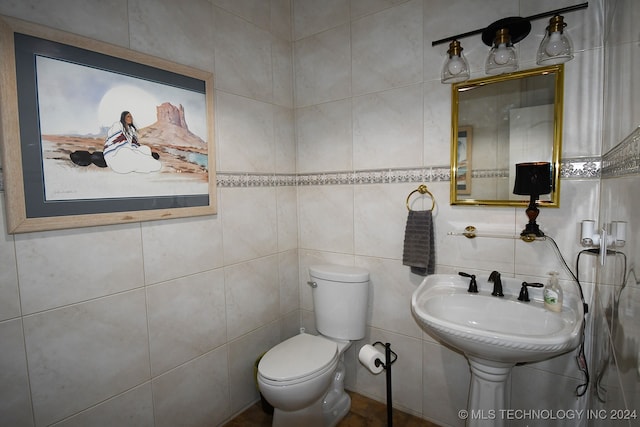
<point x="499" y="121"/>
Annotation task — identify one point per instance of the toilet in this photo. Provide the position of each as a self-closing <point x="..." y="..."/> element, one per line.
<point x="303" y="377"/>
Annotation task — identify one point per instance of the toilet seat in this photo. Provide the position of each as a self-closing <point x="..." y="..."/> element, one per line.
<point x="298" y="359"/>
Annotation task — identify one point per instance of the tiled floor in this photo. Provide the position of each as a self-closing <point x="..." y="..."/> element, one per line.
<point x="364" y="412"/>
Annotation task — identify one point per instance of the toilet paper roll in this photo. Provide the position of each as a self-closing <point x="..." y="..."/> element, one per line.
<point x="368" y="356"/>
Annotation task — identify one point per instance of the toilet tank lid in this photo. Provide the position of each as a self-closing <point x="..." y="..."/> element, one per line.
<point x="339" y="273"/>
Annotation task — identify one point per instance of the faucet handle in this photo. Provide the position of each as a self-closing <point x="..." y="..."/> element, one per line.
<point x="524" y="293"/>
<point x="495" y="275"/>
<point x="473" y="285"/>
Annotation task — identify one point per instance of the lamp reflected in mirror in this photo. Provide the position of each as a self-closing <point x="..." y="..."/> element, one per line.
<point x="532" y="179"/>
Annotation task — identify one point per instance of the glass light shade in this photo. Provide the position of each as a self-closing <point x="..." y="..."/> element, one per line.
<point x="556" y="47"/>
<point x="503" y="57"/>
<point x="456" y="67"/>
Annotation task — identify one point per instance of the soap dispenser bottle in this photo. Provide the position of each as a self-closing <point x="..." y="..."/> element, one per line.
<point x="553" y="293"/>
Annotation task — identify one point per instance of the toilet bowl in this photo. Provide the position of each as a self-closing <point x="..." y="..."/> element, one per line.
<point x="297" y="375"/>
<point x="298" y="371"/>
<point x="303" y="377"/>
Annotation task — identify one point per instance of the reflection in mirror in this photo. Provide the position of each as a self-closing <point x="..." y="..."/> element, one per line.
<point x="498" y="122"/>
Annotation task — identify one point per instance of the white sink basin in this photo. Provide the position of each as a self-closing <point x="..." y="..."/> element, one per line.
<point x="499" y="329"/>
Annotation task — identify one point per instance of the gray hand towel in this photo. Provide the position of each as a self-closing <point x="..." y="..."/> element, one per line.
<point x="419" y="245"/>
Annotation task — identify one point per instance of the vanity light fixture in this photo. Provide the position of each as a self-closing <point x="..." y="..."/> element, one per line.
<point x="533" y="180"/>
<point x="456" y="67"/>
<point x="501" y="36"/>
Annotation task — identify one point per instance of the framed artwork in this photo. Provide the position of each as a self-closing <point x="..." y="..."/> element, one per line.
<point x="463" y="174"/>
<point x="96" y="134"/>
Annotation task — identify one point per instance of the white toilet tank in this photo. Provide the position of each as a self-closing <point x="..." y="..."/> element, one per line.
<point x="340" y="296"/>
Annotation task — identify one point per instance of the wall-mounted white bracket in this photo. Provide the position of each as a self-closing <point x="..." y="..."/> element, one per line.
<point x="610" y="235"/>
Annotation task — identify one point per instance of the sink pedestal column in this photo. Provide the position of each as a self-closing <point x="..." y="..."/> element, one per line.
<point x="487" y="394"/>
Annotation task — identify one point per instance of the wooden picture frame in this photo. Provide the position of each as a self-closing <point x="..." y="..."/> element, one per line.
<point x="464" y="150"/>
<point x="62" y="95"/>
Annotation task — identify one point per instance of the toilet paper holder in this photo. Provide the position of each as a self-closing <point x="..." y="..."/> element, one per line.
<point x="387" y="355"/>
<point x="386" y="365"/>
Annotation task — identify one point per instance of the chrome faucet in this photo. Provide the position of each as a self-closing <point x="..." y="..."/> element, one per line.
<point x="473" y="285"/>
<point x="497" y="284"/>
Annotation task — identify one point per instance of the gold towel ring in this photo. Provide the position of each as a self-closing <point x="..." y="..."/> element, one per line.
<point x="422" y="189"/>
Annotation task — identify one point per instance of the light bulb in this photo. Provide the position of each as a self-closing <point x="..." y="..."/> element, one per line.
<point x="456" y="65"/>
<point x="502" y="55"/>
<point x="555" y="46"/>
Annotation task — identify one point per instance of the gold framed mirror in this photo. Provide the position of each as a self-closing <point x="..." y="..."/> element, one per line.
<point x="499" y="121"/>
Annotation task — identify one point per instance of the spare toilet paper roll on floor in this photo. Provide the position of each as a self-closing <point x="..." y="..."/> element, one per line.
<point x="368" y="355"/>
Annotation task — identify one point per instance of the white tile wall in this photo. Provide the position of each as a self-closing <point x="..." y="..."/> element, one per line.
<point x="245" y="134"/>
<point x="311" y="17"/>
<point x="363" y="79"/>
<point x="284" y="134"/>
<point x="324" y="137"/>
<point x="388" y="129"/>
<point x="400" y="116"/>
<point x="251" y="231"/>
<point x="379" y="219"/>
<point x="281" y="23"/>
<point x="94" y="263"/>
<point x="326" y="218"/>
<point x="360" y="8"/>
<point x="102" y="20"/>
<point x="243" y="62"/>
<point x="437" y="123"/>
<point x="186" y="318"/>
<point x="194" y="394"/>
<point x="160" y="323"/>
<point x="254" y="11"/>
<point x="244" y="352"/>
<point x="252" y="295"/>
<point x="133" y="407"/>
<point x="181" y="27"/>
<point x="322" y="67"/>
<point x="387" y="49"/>
<point x="175" y="249"/>
<point x="9" y="297"/>
<point x="106" y="343"/>
<point x="288" y="278"/>
<point x="391" y="288"/>
<point x="15" y="398"/>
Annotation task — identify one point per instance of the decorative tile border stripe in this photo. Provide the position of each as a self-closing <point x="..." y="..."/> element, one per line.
<point x="570" y="168"/>
<point x="376" y="176"/>
<point x="582" y="167"/>
<point x="624" y="158"/>
<point x="238" y="179"/>
<point x="490" y="173"/>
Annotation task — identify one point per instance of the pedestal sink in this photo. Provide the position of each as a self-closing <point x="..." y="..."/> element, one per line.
<point x="494" y="333"/>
